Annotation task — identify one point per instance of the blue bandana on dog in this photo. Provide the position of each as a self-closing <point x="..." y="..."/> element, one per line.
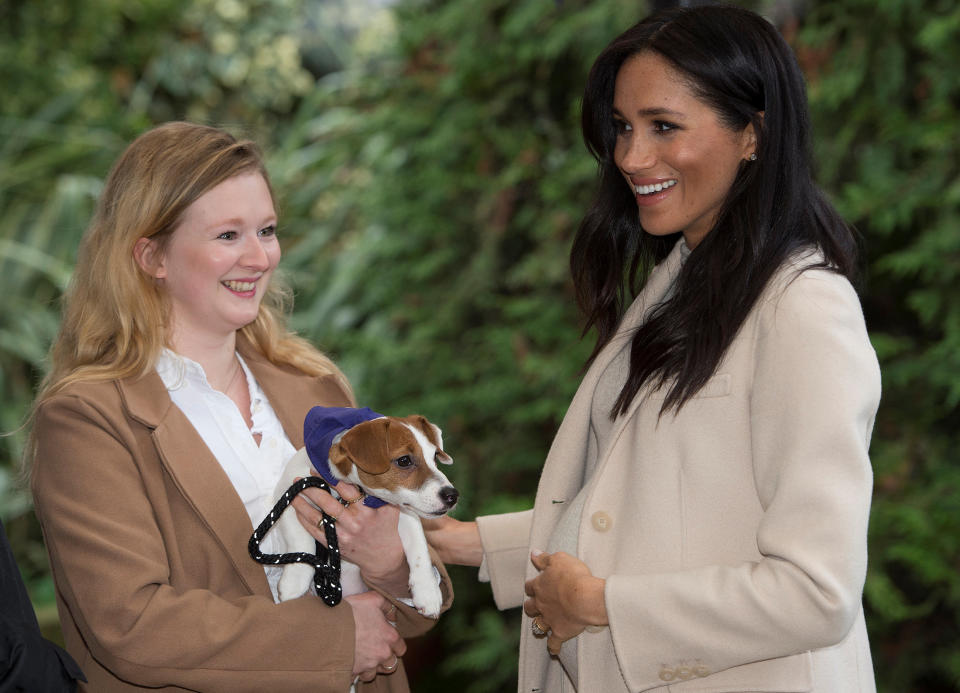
<point x="321" y="426"/>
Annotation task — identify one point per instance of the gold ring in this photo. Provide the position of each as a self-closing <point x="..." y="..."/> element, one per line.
<point x="355" y="500"/>
<point x="396" y="661"/>
<point x="539" y="630"/>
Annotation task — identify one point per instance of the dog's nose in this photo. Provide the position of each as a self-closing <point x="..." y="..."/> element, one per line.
<point x="449" y="496"/>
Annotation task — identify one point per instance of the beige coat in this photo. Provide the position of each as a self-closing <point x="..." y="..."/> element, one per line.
<point x="148" y="544"/>
<point x="732" y="536"/>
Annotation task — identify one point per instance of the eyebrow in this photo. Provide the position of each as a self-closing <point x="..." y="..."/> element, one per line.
<point x="236" y="221"/>
<point x="650" y="112"/>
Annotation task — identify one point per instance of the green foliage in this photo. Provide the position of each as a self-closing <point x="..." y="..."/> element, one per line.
<point x="431" y="176"/>
<point x="443" y="191"/>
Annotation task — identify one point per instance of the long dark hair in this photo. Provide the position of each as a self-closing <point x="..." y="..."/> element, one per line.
<point x="740" y="66"/>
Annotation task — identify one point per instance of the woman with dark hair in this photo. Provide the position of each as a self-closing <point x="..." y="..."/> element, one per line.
<point x="701" y="519"/>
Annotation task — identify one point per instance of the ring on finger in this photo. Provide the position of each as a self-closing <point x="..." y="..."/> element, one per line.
<point x="396" y="661"/>
<point x="539" y="630"/>
<point x="348" y="502"/>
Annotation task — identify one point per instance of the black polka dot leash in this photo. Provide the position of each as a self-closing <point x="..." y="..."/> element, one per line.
<point x="326" y="562"/>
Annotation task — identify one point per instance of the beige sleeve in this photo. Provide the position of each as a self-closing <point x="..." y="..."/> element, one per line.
<point x="506" y="552"/>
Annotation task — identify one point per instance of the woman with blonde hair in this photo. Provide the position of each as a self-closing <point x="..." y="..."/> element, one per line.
<point x="174" y="399"/>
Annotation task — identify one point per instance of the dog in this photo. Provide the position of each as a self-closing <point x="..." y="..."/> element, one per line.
<point x="391" y="460"/>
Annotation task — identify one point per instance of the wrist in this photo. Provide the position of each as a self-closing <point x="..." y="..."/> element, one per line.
<point x="456" y="542"/>
<point x="465" y="547"/>
<point x="591" y="606"/>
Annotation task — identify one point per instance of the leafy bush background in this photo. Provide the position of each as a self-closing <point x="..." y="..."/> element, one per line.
<point x="431" y="176"/>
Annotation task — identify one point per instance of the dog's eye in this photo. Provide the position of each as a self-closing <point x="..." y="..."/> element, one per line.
<point x="403" y="462"/>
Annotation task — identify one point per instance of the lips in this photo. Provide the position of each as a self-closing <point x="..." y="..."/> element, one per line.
<point x="651" y="191"/>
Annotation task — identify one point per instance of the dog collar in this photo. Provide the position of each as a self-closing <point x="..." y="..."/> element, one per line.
<point x="321" y="426"/>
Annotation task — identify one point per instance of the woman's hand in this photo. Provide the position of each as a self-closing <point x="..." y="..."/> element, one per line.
<point x="565" y="597"/>
<point x="367" y="536"/>
<point x="456" y="542"/>
<point x="378" y="646"/>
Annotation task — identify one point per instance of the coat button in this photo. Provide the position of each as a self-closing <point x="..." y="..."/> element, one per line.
<point x="601" y="521"/>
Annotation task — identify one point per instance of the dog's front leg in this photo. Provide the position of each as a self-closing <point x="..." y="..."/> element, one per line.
<point x="424" y="587"/>
<point x="297" y="577"/>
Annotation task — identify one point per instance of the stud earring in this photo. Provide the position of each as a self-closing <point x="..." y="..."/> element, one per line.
<point x="753" y="157"/>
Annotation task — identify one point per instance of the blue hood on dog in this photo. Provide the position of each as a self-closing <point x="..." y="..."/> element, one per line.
<point x="321" y="426"/>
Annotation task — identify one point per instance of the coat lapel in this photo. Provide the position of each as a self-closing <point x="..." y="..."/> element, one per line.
<point x="562" y="476"/>
<point x="291" y="393"/>
<point x="196" y="472"/>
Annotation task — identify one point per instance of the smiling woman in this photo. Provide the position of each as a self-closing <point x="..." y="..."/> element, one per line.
<point x="175" y="399"/>
<point x="673" y="150"/>
<point x="701" y="518"/>
<point x="216" y="265"/>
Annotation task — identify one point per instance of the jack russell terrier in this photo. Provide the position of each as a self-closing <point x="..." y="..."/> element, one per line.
<point x="391" y="460"/>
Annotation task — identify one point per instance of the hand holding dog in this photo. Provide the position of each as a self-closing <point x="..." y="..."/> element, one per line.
<point x="368" y="537"/>
<point x="565" y="596"/>
<point x="378" y="645"/>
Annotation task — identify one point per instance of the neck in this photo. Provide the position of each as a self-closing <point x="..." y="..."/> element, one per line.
<point x="218" y="357"/>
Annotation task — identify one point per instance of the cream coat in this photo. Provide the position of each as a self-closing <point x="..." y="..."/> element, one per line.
<point x="148" y="545"/>
<point x="732" y="536"/>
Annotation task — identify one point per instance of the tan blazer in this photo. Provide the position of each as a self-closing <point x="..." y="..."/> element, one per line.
<point x="732" y="536"/>
<point x="148" y="544"/>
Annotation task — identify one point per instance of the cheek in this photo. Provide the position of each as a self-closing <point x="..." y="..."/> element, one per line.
<point x="273" y="254"/>
<point x="704" y="171"/>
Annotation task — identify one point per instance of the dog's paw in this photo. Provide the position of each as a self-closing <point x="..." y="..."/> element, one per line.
<point x="295" y="581"/>
<point x="427" y="599"/>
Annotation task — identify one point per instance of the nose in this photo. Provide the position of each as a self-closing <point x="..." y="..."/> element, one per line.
<point x="255" y="255"/>
<point x="635" y="154"/>
<point x="449" y="496"/>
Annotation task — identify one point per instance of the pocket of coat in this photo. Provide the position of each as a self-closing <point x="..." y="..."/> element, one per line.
<point x="718" y="386"/>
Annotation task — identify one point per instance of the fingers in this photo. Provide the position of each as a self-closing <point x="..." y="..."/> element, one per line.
<point x="530" y="607"/>
<point x="553" y="643"/>
<point x="389" y="667"/>
<point x="348" y="492"/>
<point x="311" y="501"/>
<point x="390" y="613"/>
<point x="540" y="559"/>
<point x="316" y="497"/>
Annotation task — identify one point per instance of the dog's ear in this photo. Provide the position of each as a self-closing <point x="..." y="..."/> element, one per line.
<point x="365" y="446"/>
<point x="433" y="434"/>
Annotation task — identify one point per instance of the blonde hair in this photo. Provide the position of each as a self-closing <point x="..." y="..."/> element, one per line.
<point x="115" y="316"/>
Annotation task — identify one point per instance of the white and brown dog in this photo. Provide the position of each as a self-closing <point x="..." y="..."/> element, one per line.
<point x="392" y="460"/>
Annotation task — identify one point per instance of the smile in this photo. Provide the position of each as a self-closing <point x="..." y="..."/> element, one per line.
<point x="240" y="287"/>
<point x="655" y="188"/>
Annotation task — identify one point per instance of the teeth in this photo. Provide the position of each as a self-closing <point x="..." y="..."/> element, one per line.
<point x="657" y="187"/>
<point x="240" y="286"/>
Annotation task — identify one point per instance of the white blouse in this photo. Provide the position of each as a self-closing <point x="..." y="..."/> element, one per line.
<point x="254" y="470"/>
